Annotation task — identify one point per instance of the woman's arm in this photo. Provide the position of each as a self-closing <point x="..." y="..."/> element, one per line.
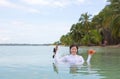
<point x="57" y="58"/>
<point x="90" y="53"/>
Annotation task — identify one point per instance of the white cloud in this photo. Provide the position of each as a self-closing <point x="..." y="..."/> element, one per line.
<point x="80" y="1"/>
<point x="18" y="31"/>
<point x="4" y="39"/>
<point x="54" y="3"/>
<point x="47" y="3"/>
<point x="34" y="2"/>
<point x="6" y="3"/>
<point x="59" y="4"/>
<point x="19" y="23"/>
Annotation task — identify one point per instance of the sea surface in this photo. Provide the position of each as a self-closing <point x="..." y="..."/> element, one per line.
<point x="35" y="62"/>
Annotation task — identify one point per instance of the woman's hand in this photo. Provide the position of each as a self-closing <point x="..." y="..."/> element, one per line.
<point x="91" y="51"/>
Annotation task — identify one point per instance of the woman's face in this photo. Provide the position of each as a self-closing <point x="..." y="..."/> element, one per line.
<point x="73" y="50"/>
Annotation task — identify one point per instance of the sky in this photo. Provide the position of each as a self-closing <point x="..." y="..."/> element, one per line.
<point x="42" y="21"/>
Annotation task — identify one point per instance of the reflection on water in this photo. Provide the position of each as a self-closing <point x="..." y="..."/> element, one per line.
<point x="73" y="69"/>
<point x="55" y="68"/>
<point x="35" y="62"/>
<point x="76" y="72"/>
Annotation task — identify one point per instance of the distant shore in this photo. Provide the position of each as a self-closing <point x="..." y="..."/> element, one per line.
<point x="52" y="44"/>
<point x="113" y="45"/>
<point x="118" y="46"/>
<point x="25" y="44"/>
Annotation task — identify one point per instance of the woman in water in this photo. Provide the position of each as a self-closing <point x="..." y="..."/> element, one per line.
<point x="73" y="57"/>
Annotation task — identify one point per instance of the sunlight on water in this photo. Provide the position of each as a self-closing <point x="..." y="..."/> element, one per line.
<point x="35" y="62"/>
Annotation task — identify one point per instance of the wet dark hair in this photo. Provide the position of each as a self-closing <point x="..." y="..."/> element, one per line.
<point x="74" y="46"/>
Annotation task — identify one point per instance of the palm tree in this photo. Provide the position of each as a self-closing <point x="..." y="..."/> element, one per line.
<point x="85" y="20"/>
<point x="77" y="32"/>
<point x="108" y="21"/>
<point x="114" y="10"/>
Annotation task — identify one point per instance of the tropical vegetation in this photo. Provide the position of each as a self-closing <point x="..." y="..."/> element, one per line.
<point x="93" y="31"/>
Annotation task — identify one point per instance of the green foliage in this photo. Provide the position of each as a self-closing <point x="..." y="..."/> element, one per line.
<point x="95" y="37"/>
<point x="66" y="40"/>
<point x="85" y="40"/>
<point x="105" y="25"/>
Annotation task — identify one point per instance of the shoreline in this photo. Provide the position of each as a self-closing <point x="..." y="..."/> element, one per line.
<point x="25" y="44"/>
<point x="116" y="46"/>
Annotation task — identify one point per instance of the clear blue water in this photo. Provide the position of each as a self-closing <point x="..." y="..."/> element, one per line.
<point x="35" y="62"/>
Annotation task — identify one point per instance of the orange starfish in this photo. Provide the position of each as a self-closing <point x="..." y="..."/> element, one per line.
<point x="91" y="51"/>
